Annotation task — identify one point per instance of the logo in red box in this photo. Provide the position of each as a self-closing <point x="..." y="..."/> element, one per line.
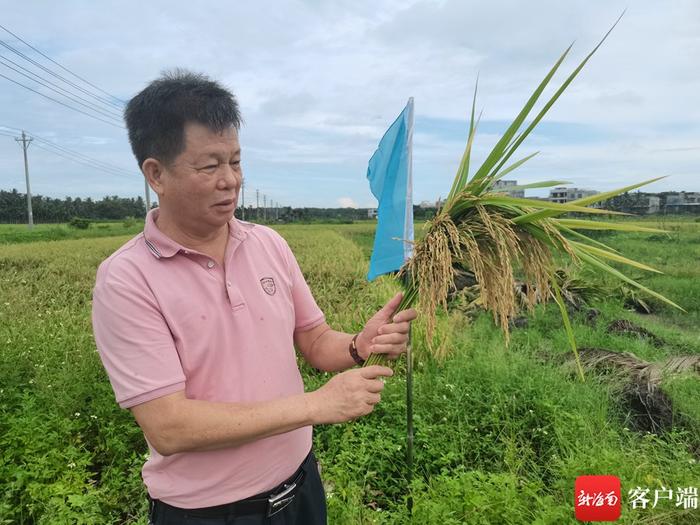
<point x="597" y="498"/>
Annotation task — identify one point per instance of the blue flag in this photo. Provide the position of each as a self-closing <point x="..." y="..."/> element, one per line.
<point x="389" y="175"/>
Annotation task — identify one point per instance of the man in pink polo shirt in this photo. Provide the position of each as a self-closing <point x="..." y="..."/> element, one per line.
<point x="196" y="320"/>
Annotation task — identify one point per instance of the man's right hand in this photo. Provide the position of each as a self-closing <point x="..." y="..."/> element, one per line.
<point x="349" y="395"/>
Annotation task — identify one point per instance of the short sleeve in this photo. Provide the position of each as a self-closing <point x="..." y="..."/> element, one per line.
<point x="133" y="339"/>
<point x="307" y="314"/>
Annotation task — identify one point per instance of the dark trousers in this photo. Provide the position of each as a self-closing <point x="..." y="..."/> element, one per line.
<point x="307" y="508"/>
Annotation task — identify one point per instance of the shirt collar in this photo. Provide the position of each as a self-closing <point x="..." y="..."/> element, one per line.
<point x="162" y="246"/>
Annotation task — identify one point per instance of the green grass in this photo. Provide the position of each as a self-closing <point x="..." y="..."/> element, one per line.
<point x="501" y="433"/>
<point x="20" y="233"/>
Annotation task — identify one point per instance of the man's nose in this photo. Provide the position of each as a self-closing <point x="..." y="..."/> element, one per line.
<point x="230" y="177"/>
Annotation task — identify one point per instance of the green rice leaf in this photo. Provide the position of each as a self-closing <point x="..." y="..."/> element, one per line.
<point x="574" y="233"/>
<point x="515" y="166"/>
<point x="613" y="256"/>
<point x="543" y="184"/>
<point x="463" y="170"/>
<point x="610" y="194"/>
<point x="581" y="224"/>
<point x="552" y="100"/>
<point x="555" y="207"/>
<point x="594" y="261"/>
<point x="500" y="147"/>
<point x="567" y="325"/>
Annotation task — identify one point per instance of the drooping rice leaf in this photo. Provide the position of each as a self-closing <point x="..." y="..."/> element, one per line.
<point x="567" y="325"/>
<point x="598" y="197"/>
<point x="574" y="233"/>
<point x="613" y="256"/>
<point x="594" y="261"/>
<point x="581" y="224"/>
<point x="556" y="207"/>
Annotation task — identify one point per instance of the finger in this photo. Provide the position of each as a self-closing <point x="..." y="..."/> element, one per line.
<point x="391" y="351"/>
<point x="373" y="399"/>
<point x="374" y="371"/>
<point x="390" y="328"/>
<point x="405" y="315"/>
<point x="375" y="385"/>
<point x="386" y="311"/>
<point x="389" y="339"/>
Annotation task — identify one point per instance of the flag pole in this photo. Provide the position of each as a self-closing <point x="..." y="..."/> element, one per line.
<point x="408" y="248"/>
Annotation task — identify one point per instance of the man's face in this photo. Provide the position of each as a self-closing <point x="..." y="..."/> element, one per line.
<point x="200" y="187"/>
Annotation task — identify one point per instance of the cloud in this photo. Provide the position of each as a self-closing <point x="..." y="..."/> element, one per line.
<point x="320" y="82"/>
<point x="346" y="202"/>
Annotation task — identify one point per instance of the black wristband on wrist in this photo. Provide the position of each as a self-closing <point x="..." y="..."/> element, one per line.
<point x="353" y="351"/>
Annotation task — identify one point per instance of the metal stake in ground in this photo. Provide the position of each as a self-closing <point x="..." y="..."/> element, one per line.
<point x="409" y="420"/>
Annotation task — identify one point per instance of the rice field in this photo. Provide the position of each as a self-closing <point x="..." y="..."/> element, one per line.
<point x="501" y="433"/>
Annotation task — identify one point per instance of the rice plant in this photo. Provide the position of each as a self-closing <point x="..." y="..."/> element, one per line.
<point x="500" y="238"/>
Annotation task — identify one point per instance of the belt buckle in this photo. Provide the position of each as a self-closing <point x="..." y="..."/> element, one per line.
<point x="276" y="502"/>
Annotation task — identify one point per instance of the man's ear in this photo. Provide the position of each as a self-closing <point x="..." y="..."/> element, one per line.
<point x="153" y="170"/>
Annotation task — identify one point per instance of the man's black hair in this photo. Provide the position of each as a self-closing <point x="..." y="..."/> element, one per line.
<point x="156" y="117"/>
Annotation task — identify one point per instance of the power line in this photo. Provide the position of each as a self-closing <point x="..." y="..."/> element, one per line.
<point x="80" y="161"/>
<point x="60" y="77"/>
<point x="61" y="103"/>
<point x="47" y="84"/>
<point x="105" y="107"/>
<point x="62" y="67"/>
<point x="94" y="162"/>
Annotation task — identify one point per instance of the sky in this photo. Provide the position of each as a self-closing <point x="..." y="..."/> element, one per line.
<point x="319" y="82"/>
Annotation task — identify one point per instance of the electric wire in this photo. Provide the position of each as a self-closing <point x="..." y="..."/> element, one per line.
<point x="44" y="143"/>
<point x="61" y="103"/>
<point x="60" y="77"/>
<point x="12" y="132"/>
<point x="44" y="82"/>
<point x="62" y="67"/>
<point x="75" y="159"/>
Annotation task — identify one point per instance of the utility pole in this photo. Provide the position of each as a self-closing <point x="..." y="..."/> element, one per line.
<point x="148" y="195"/>
<point x="264" y="207"/>
<point x="257" y="205"/>
<point x="25" y="145"/>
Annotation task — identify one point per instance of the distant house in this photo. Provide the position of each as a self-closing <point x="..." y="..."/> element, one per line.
<point x="504" y="185"/>
<point x="680" y="202"/>
<point x="652" y="205"/>
<point x="372" y="213"/>
<point x="561" y="194"/>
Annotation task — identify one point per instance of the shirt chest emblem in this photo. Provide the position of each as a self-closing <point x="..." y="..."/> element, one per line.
<point x="268" y="285"/>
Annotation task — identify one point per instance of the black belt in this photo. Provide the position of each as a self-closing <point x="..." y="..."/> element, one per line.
<point x="266" y="503"/>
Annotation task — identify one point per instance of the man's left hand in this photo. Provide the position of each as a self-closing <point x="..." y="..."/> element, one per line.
<point x="386" y="332"/>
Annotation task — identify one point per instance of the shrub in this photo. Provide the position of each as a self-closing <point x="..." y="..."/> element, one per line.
<point x="80" y="223"/>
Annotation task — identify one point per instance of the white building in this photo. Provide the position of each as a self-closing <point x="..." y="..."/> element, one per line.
<point x="561" y="194"/>
<point x="503" y="185"/>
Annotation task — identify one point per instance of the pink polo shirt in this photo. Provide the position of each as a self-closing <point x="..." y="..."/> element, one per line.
<point x="167" y="318"/>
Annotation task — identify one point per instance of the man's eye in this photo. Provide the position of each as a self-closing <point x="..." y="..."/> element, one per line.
<point x="236" y="163"/>
<point x="209" y="168"/>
